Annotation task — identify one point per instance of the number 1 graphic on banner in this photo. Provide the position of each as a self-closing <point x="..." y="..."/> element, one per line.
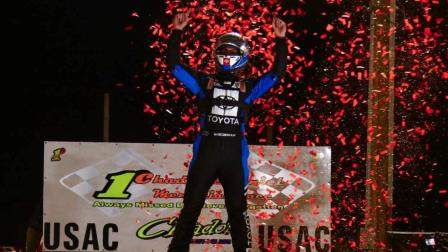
<point x="118" y="184"/>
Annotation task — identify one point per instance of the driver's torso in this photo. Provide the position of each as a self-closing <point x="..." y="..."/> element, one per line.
<point x="222" y="112"/>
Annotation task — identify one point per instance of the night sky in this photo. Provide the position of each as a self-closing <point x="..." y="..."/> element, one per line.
<point x="62" y="56"/>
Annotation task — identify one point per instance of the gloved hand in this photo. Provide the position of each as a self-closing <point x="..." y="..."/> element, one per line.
<point x="181" y="20"/>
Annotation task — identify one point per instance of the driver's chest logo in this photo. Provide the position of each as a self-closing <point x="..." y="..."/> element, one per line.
<point x="224" y="98"/>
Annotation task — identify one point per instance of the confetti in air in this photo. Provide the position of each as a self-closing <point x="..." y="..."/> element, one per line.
<point x="322" y="101"/>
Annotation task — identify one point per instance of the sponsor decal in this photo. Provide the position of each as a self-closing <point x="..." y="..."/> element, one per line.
<point x="57" y="153"/>
<point x="118" y="184"/>
<point x="72" y="236"/>
<point x="223" y="120"/>
<point x="303" y="242"/>
<point x="165" y="228"/>
<point x="222" y="108"/>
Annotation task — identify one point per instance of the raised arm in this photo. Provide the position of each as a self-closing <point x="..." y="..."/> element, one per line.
<point x="183" y="73"/>
<point x="269" y="79"/>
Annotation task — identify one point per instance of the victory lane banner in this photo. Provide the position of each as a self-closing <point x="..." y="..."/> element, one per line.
<point x="127" y="197"/>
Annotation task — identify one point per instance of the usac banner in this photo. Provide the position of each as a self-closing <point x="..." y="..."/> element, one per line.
<point x="126" y="197"/>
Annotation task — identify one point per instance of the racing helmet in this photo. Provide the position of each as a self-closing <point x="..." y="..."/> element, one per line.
<point x="231" y="51"/>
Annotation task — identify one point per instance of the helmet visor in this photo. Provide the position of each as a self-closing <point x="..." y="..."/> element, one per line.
<point x="228" y="50"/>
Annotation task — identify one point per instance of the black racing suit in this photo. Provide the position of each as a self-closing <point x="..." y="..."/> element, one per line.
<point x="220" y="150"/>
